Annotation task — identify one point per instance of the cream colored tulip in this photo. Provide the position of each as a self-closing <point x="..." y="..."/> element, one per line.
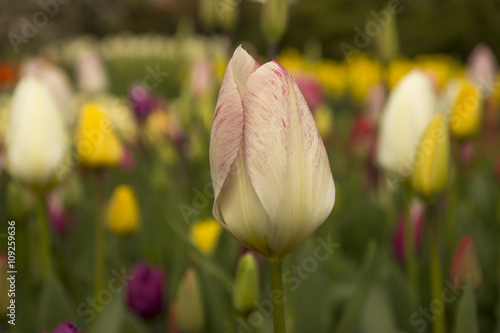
<point x="270" y="171"/>
<point x="36" y="139"/>
<point x="409" y="109"/>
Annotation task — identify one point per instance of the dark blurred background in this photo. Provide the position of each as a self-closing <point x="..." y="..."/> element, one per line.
<point x="425" y="26"/>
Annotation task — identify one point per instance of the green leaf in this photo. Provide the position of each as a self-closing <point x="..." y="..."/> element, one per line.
<point x="378" y="316"/>
<point x="111" y="317"/>
<point x="350" y="317"/>
<point x="54" y="305"/>
<point x="466" y="317"/>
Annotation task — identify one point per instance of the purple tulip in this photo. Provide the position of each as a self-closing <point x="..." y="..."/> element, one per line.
<point x="142" y="100"/>
<point x="416" y="214"/>
<point x="145" y="290"/>
<point x="59" y="220"/>
<point x="66" y="327"/>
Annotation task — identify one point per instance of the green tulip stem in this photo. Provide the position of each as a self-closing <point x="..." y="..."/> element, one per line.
<point x="439" y="323"/>
<point x="43" y="233"/>
<point x="409" y="244"/>
<point x="278" y="296"/>
<point x="99" y="239"/>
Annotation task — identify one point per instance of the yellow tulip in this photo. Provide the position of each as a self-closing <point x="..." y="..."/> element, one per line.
<point x="205" y="235"/>
<point x="123" y="211"/>
<point x="96" y="143"/>
<point x="323" y="116"/>
<point x="432" y="160"/>
<point x="465" y="112"/>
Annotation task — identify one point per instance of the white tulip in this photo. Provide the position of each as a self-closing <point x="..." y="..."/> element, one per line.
<point x="36" y="139"/>
<point x="409" y="109"/>
<point x="270" y="171"/>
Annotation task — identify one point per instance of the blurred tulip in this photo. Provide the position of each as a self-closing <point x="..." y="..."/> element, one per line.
<point x="58" y="218"/>
<point x="463" y="100"/>
<point x="207" y="13"/>
<point x="145" y="290"/>
<point x="374" y="102"/>
<point x="417" y="217"/>
<point x="270" y="171"/>
<point x="332" y="76"/>
<point x="466" y="265"/>
<point x="397" y="69"/>
<point x="57" y="81"/>
<point x="66" y="327"/>
<point x="190" y="311"/>
<point x="119" y="115"/>
<point x="37" y="143"/>
<point x="96" y="143"/>
<point x="362" y="135"/>
<point x="127" y="162"/>
<point x="482" y="67"/>
<point x="323" y="116"/>
<point x="205" y="235"/>
<point x="410" y="108"/>
<point x="246" y="290"/>
<point x="123" y="214"/>
<point x="467" y="152"/>
<point x="363" y="73"/>
<point x="274" y="19"/>
<point x="172" y="326"/>
<point x="90" y="73"/>
<point x="142" y="100"/>
<point x="432" y="161"/>
<point x="201" y="77"/>
<point x="310" y="87"/>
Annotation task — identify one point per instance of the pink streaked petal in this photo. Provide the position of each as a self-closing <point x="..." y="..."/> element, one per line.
<point x="286" y="158"/>
<point x="227" y="127"/>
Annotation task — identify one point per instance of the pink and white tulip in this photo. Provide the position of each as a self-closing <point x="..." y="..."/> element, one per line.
<point x="270" y="171"/>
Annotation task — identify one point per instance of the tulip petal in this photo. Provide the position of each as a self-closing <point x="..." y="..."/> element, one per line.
<point x="227" y="128"/>
<point x="241" y="211"/>
<point x="286" y="159"/>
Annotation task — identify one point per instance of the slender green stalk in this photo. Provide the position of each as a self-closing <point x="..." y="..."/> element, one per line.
<point x="100" y="241"/>
<point x="278" y="296"/>
<point x="409" y="244"/>
<point x="43" y="234"/>
<point x="439" y="323"/>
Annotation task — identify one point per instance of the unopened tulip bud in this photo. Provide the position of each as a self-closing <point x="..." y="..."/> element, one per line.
<point x="466" y="265"/>
<point x="323" y="116"/>
<point x="145" y="290"/>
<point x="142" y="100"/>
<point x="409" y="109"/>
<point x="205" y="235"/>
<point x="96" y="143"/>
<point x="465" y="107"/>
<point x="274" y="19"/>
<point x="310" y="87"/>
<point x="416" y="217"/>
<point x="432" y="161"/>
<point x="482" y="68"/>
<point x="58" y="218"/>
<point x="91" y="73"/>
<point x="123" y="214"/>
<point x="467" y="152"/>
<point x="246" y="288"/>
<point x="270" y="171"/>
<point x="37" y="142"/>
<point x="190" y="309"/>
<point x="67" y="327"/>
